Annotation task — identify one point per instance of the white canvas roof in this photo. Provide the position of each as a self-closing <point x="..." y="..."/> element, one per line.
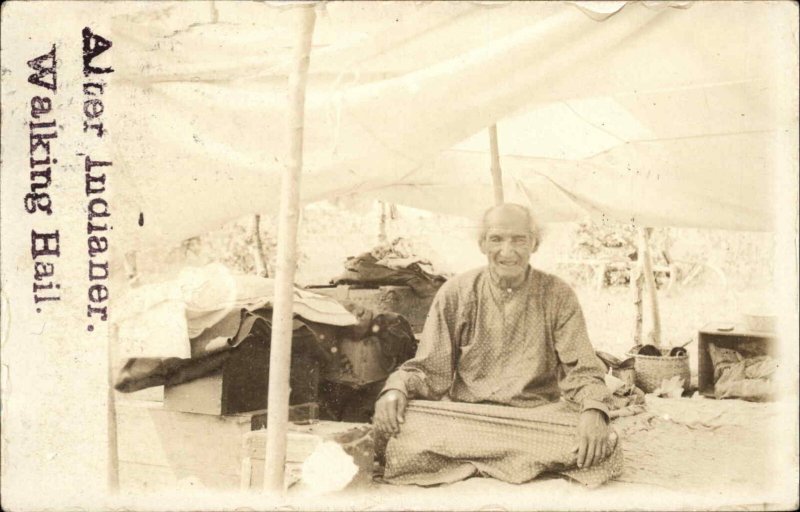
<point x="662" y="114"/>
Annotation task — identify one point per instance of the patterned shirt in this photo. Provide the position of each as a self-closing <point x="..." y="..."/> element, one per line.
<point x="523" y="347"/>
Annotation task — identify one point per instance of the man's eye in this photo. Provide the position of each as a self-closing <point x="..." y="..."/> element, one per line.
<point x="494" y="238"/>
<point x="519" y="240"/>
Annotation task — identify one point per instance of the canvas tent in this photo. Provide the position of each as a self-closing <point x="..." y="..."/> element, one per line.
<point x="683" y="106"/>
<point x="667" y="114"/>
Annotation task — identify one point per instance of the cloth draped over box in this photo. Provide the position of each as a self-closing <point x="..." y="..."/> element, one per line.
<point x="179" y="330"/>
<point x="175" y="332"/>
<point x="443" y="442"/>
<point x="159" y="320"/>
<point x="209" y="356"/>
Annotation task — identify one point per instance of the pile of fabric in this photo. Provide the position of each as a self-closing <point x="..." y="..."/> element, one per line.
<point x="737" y="375"/>
<point x="626" y="399"/>
<point x="391" y="264"/>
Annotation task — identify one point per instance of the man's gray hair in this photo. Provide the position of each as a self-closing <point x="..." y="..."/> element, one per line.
<point x="534" y="228"/>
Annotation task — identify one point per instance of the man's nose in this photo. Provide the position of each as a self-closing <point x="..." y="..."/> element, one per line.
<point x="506" y="247"/>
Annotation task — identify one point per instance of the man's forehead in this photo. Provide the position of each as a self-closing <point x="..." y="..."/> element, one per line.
<point x="508" y="230"/>
<point x="507" y="220"/>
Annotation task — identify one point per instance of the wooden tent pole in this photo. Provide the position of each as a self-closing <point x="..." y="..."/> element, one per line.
<point x="637" y="285"/>
<point x="382" y="224"/>
<point x="281" y="340"/>
<point x="497" y="174"/>
<point x="649" y="279"/>
<point x="257" y="247"/>
<point x="113" y="448"/>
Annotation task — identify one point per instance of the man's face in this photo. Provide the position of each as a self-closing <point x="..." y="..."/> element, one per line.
<point x="508" y="243"/>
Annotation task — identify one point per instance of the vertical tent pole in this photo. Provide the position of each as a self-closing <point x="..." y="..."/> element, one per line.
<point x="382" y="224"/>
<point x="650" y="281"/>
<point x="131" y="274"/>
<point x="497" y="175"/>
<point x="637" y="285"/>
<point x="257" y="247"/>
<point x="281" y="340"/>
<point x="113" y="448"/>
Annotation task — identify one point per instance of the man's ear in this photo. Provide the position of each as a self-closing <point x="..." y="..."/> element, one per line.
<point x="482" y="244"/>
<point x="534" y="244"/>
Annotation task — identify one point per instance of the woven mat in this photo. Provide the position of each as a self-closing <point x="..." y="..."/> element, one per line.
<point x="697" y="445"/>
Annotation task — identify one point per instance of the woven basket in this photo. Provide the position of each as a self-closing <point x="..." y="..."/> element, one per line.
<point x="652" y="370"/>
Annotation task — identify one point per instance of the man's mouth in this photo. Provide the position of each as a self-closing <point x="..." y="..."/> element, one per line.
<point x="507" y="263"/>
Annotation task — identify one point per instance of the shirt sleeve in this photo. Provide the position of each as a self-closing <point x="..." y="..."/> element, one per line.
<point x="582" y="381"/>
<point x="429" y="374"/>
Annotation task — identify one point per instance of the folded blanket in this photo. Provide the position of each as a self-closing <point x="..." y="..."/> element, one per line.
<point x="443" y="442"/>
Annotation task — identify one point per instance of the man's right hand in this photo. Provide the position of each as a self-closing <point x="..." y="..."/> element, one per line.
<point x="390" y="410"/>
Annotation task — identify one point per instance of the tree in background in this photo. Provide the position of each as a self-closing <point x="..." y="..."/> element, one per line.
<point x="616" y="244"/>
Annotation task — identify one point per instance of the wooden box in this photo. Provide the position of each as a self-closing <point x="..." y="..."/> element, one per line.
<point x="747" y="342"/>
<point x="386" y="299"/>
<point x="160" y="449"/>
<point x="241" y="385"/>
<point x="365" y="357"/>
<point x="355" y="439"/>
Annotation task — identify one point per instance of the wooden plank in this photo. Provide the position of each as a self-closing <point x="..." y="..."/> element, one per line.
<point x="161" y="449"/>
<point x="310" y="436"/>
<point x="203" y="395"/>
<point x="154" y="394"/>
<point x="738" y="330"/>
<point x="293" y="472"/>
<point x="148" y="434"/>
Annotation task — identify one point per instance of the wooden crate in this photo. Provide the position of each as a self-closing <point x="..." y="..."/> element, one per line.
<point x="355" y="439"/>
<point x="160" y="449"/>
<point x="201" y="396"/>
<point x="241" y="384"/>
<point x="750" y="343"/>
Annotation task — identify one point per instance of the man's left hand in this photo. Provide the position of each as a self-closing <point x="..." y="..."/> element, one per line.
<point x="592" y="438"/>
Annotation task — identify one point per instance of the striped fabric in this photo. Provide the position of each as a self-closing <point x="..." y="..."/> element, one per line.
<point x="443" y="442"/>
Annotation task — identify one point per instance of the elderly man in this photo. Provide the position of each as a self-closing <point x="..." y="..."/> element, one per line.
<point x="505" y="334"/>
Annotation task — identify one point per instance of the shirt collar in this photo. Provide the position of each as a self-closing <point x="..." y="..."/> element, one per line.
<point x="495" y="281"/>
